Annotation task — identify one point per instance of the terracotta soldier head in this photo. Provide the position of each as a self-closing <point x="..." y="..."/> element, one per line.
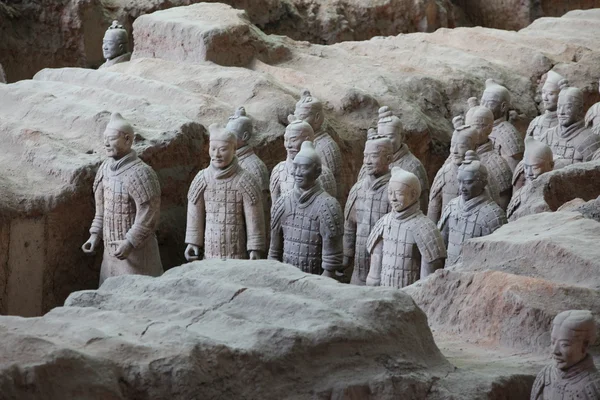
<point x="538" y="159"/>
<point x="404" y="189"/>
<point x="482" y="119"/>
<point x="241" y="125"/>
<point x="378" y="156"/>
<point x="472" y="177"/>
<point x="309" y="109"/>
<point x="296" y="133"/>
<point x="222" y="147"/>
<point x="573" y="332"/>
<point x="570" y="105"/>
<point x="390" y="126"/>
<point x="118" y="137"/>
<point x="464" y="140"/>
<point x="115" y="42"/>
<point x="372" y="133"/>
<point x="307" y="166"/>
<point x="472" y="103"/>
<point x="496" y="98"/>
<point x="550" y="90"/>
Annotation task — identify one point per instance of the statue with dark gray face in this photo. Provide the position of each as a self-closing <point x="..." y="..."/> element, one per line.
<point x="115" y="45"/>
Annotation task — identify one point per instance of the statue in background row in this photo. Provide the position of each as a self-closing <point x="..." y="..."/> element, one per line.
<point x="472" y="214"/>
<point x="592" y="117"/>
<point x="404" y="245"/>
<point x="390" y="126"/>
<point x="572" y="375"/>
<point x="127" y="196"/>
<point x="307" y="223"/>
<point x="225" y="217"/>
<point x="367" y="203"/>
<point x="115" y="45"/>
<point x="310" y="109"/>
<point x="282" y="177"/>
<point x="549" y="119"/>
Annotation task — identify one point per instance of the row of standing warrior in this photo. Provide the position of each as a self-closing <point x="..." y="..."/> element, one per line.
<point x="394" y="228"/>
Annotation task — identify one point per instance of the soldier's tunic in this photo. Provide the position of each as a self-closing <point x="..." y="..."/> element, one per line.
<point x="443" y="189"/>
<point x="119" y="59"/>
<point x="406" y="160"/>
<point x="231" y="202"/>
<point x="525" y="202"/>
<point x="400" y="241"/>
<point x="541" y="124"/>
<point x="127" y="194"/>
<point x="307" y="230"/>
<point x="571" y="145"/>
<point x="331" y="156"/>
<point x="499" y="173"/>
<point x="507" y="141"/>
<point x="580" y="382"/>
<point x="592" y="118"/>
<point x="367" y="203"/>
<point x="282" y="180"/>
<point x="464" y="220"/>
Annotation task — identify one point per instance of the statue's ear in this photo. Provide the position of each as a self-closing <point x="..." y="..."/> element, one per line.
<point x="246" y="136"/>
<point x="504" y="107"/>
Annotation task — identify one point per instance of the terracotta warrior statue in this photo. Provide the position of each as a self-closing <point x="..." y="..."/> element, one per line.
<point x="472" y="214"/>
<point x="307" y="223"/>
<point x="390" y="126"/>
<point x="445" y="183"/>
<point x="366" y="204"/>
<point x="570" y="141"/>
<point x="225" y="217"/>
<point x="114" y="45"/>
<point x="404" y="244"/>
<point x="127" y="195"/>
<point x="549" y="119"/>
<point x="310" y="109"/>
<point x="500" y="176"/>
<point x="592" y="118"/>
<point x="282" y="176"/>
<point x="537" y="160"/>
<point x="572" y="374"/>
<point x="507" y="140"/>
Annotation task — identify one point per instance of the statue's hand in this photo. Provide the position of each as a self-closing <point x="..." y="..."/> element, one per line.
<point x="192" y="253"/>
<point x="89" y="247"/>
<point x="329" y="274"/>
<point x="254" y="255"/>
<point x="123" y="248"/>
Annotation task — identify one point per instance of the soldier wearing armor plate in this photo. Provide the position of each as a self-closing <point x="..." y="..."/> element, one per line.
<point x="404" y="244"/>
<point x="445" y="183"/>
<point x="307" y="223"/>
<point x="500" y="176"/>
<point x="572" y="375"/>
<point x="114" y="45"/>
<point x="310" y="109"/>
<point x="538" y="160"/>
<point x="507" y="140"/>
<point x="225" y="217"/>
<point x="549" y="119"/>
<point x="472" y="214"/>
<point x="282" y="176"/>
<point x="390" y="126"/>
<point x="366" y="204"/>
<point x="127" y="194"/>
<point x="570" y="141"/>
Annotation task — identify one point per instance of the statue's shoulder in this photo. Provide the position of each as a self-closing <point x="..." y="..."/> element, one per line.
<point x="100" y="174"/>
<point x="449" y="210"/>
<point x="352" y="198"/>
<point x="197" y="187"/>
<point x="377" y="231"/>
<point x="428" y="238"/>
<point x="142" y="181"/>
<point x="330" y="215"/>
<point x="492" y="214"/>
<point x="248" y="184"/>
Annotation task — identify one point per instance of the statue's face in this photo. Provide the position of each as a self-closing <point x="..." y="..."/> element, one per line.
<point x="462" y="144"/>
<point x="568" y="111"/>
<point x="221" y="153"/>
<point x="469" y="186"/>
<point x="534" y="167"/>
<point x="566" y="350"/>
<point x="392" y="133"/>
<point x="306" y="173"/>
<point x="550" y="97"/>
<point x="240" y="132"/>
<point x="376" y="160"/>
<point x="400" y="196"/>
<point x="314" y="119"/>
<point x="492" y="102"/>
<point x="292" y="141"/>
<point x="112" y="46"/>
<point x="116" y="144"/>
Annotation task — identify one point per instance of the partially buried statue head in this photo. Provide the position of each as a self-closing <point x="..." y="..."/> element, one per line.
<point x="573" y="332"/>
<point x="496" y="98"/>
<point x="537" y="159"/>
<point x="550" y="90"/>
<point x="115" y="41"/>
<point x="404" y="189"/>
<point x="570" y="105"/>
